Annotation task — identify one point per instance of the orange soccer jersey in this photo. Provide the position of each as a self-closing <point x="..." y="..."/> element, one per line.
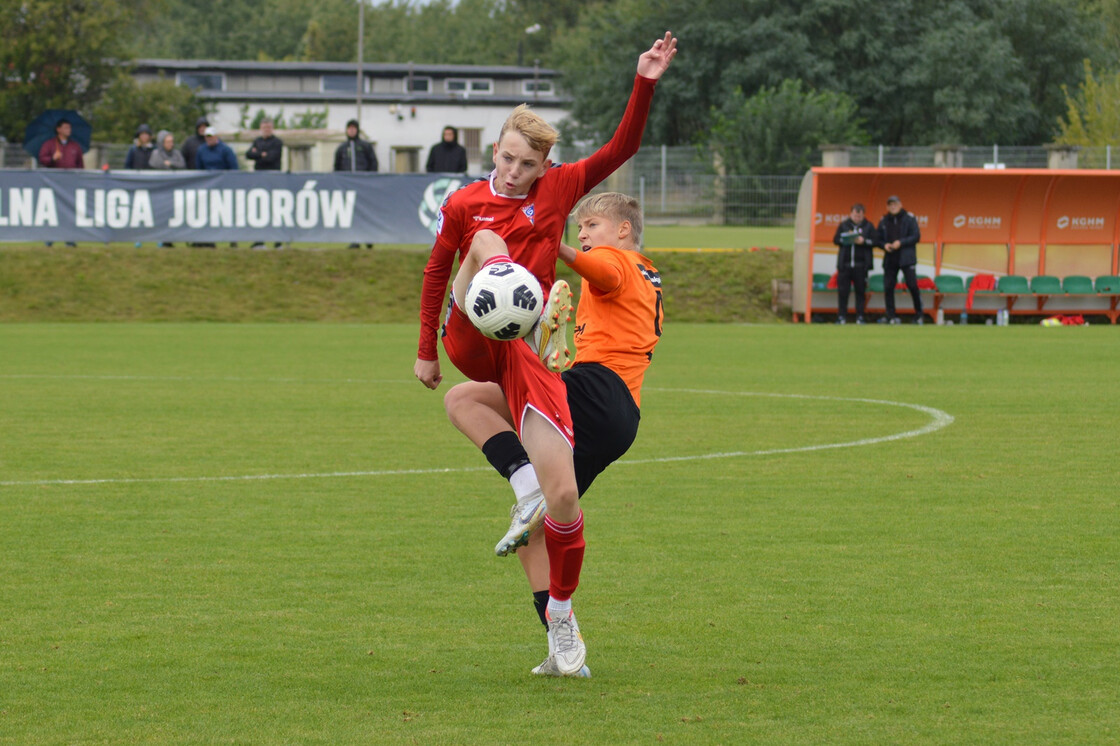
<point x="618" y="321"/>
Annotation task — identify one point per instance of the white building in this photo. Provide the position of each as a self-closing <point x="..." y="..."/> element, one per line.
<point x="402" y="108"/>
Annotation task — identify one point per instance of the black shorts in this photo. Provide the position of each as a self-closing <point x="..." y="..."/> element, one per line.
<point x="604" y="417"/>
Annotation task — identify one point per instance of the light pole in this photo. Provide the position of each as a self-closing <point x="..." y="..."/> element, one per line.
<point x="361" y="34"/>
<point x="536" y="27"/>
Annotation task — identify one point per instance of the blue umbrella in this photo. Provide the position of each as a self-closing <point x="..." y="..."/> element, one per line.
<point x="42" y="129"/>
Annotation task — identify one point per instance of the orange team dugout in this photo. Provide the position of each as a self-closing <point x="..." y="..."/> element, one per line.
<point x="1050" y="238"/>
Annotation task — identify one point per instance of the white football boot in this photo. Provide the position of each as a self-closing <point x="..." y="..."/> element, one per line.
<point x="565" y="644"/>
<point x="549" y="338"/>
<point x="525" y="517"/>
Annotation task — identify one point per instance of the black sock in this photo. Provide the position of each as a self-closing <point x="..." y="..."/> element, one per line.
<point x="505" y="453"/>
<point x="540" y="602"/>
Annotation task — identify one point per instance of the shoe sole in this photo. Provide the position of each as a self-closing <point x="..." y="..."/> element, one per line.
<point x="554" y="325"/>
<point x="583" y="673"/>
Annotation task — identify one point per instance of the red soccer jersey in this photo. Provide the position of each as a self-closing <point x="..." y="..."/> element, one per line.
<point x="531" y="225"/>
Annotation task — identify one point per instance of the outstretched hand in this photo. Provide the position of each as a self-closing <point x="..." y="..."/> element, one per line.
<point x="655" y="61"/>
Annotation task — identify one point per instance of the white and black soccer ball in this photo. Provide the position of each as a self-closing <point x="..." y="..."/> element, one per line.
<point x="503" y="301"/>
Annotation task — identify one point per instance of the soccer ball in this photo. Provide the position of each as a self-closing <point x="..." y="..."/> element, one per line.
<point x="503" y="301"/>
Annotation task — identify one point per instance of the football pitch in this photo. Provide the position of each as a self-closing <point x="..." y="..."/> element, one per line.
<point x="271" y="534"/>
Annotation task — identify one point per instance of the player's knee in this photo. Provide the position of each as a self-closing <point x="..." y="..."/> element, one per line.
<point x="563" y="499"/>
<point x="455" y="401"/>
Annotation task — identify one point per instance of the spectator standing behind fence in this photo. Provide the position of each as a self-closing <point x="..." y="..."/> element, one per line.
<point x="194" y="142"/>
<point x="215" y="155"/>
<point x="165" y="157"/>
<point x="447" y="155"/>
<point x="855" y="236"/>
<point x="60" y="151"/>
<point x="140" y="154"/>
<point x="899" y="235"/>
<point x="267" y="150"/>
<point x="355" y="155"/>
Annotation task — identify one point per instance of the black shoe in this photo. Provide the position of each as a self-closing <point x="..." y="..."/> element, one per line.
<point x="841" y="320"/>
<point x="920" y="320"/>
<point x="895" y="320"/>
<point x="860" y="320"/>
<point x="354" y="246"/>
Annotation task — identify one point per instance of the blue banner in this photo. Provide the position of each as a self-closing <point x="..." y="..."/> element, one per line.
<point x="206" y="206"/>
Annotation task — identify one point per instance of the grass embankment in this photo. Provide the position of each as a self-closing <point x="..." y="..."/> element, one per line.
<point x="122" y="283"/>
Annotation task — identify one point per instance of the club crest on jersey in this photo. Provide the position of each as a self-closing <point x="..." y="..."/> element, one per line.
<point x="530" y="211"/>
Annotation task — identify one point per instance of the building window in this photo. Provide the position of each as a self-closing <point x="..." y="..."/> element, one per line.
<point x="470" y="86"/>
<point x="344" y="83"/>
<point x="471" y="139"/>
<point x="205" y="81"/>
<point x="418" y="85"/>
<point x="537" y="87"/>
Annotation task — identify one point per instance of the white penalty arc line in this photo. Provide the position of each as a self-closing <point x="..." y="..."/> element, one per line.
<point x="938" y="420"/>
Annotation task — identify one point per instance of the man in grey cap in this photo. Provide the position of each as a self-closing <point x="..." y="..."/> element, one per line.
<point x="194" y="142"/>
<point x="141" y="151"/>
<point x="899" y="235"/>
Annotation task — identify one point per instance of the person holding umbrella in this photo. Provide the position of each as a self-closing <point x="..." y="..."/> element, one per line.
<point x="61" y="151"/>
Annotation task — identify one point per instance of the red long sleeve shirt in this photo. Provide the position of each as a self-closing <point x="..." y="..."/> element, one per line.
<point x="531" y="225"/>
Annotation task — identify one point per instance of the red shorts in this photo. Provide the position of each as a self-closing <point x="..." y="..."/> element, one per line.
<point x="514" y="366"/>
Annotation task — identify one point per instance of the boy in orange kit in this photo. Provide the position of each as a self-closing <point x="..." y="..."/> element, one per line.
<point x="618" y="323"/>
<point x="518" y="214"/>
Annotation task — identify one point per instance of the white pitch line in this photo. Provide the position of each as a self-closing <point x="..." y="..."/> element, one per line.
<point x="938" y="420"/>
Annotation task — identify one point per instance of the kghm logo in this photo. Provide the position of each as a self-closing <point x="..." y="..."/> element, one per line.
<point x="830" y="219"/>
<point x="977" y="221"/>
<point x="1080" y="223"/>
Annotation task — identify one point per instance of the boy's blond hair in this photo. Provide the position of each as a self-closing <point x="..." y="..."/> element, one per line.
<point x="614" y="206"/>
<point x="540" y="135"/>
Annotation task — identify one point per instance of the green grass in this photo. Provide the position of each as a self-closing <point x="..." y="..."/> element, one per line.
<point x="962" y="586"/>
<point x="122" y="283"/>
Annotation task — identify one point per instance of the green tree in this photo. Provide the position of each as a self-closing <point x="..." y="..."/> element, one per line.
<point x="56" y="54"/>
<point x="160" y="103"/>
<point x="963" y="85"/>
<point x="778" y="130"/>
<point x="920" y="71"/>
<point x="1050" y="38"/>
<point x="1092" y="113"/>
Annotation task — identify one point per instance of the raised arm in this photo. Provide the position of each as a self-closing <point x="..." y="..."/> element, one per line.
<point x="628" y="136"/>
<point x="655" y="61"/>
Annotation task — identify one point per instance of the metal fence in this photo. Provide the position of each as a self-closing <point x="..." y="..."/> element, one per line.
<point x="682" y="183"/>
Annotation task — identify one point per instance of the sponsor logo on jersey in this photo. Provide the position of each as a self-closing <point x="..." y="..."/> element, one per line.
<point x="483" y="219"/>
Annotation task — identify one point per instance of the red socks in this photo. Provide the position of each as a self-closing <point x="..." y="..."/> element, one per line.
<point x="564" y="542"/>
<point x="496" y="259"/>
